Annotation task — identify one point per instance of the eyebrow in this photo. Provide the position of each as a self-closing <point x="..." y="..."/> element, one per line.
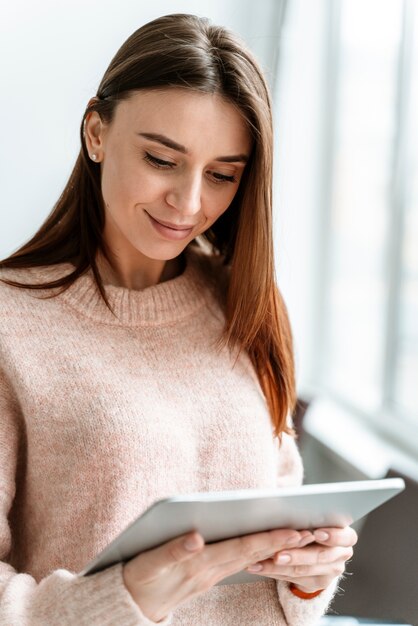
<point x="170" y="143"/>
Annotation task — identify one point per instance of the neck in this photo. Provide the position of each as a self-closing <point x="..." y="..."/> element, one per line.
<point x="112" y="273"/>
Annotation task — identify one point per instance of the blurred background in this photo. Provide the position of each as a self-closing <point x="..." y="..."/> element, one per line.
<point x="344" y="80"/>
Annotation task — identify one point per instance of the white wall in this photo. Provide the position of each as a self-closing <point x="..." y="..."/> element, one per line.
<point x="52" y="57"/>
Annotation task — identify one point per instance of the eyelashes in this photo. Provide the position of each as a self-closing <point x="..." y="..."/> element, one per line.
<point x="224" y="178"/>
<point x="157" y="162"/>
<point x="166" y="165"/>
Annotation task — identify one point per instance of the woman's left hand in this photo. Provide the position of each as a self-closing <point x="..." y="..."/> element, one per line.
<point x="320" y="558"/>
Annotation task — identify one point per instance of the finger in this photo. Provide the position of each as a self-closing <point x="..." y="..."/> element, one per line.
<point x="336" y="536"/>
<point x="231" y="556"/>
<point x="318" y="577"/>
<point x="312" y="555"/>
<point x="285" y="561"/>
<point x="295" y="572"/>
<point x="152" y="562"/>
<point x="307" y="538"/>
<point x="251" y="548"/>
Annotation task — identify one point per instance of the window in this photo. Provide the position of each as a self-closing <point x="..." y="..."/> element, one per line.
<point x="370" y="274"/>
<point x="346" y="99"/>
<point x="405" y="393"/>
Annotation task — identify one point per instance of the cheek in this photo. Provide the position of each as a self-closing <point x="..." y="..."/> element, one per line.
<point x="218" y="204"/>
<point x="127" y="185"/>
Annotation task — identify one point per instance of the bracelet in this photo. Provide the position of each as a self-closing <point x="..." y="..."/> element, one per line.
<point x="303" y="594"/>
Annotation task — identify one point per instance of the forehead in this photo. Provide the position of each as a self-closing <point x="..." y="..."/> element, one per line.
<point x="194" y="119"/>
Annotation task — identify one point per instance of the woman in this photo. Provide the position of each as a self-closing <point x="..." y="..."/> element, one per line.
<point x="146" y="351"/>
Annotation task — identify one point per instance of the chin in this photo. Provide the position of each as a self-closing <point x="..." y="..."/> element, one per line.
<point x="157" y="254"/>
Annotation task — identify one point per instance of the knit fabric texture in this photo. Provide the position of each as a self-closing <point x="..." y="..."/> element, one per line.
<point x="101" y="415"/>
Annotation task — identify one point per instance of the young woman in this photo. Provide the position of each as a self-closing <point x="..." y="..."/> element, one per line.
<point x="145" y="351"/>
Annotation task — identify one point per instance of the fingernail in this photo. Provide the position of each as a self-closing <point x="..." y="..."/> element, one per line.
<point x="255" y="568"/>
<point x="306" y="540"/>
<point x="191" y="544"/>
<point x="321" y="535"/>
<point x="283" y="558"/>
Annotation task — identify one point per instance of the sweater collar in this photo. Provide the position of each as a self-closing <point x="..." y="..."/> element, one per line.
<point x="157" y="305"/>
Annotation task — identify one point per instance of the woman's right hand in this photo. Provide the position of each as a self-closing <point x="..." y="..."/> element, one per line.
<point x="161" y="579"/>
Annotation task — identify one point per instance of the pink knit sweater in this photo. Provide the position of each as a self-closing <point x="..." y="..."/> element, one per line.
<point x="99" y="417"/>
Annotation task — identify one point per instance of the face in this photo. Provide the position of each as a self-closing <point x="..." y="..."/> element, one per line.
<point x="171" y="162"/>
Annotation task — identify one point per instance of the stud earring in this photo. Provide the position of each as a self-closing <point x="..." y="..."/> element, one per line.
<point x="94" y="157"/>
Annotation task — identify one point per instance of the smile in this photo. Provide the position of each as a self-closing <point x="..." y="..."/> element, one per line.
<point x="171" y="231"/>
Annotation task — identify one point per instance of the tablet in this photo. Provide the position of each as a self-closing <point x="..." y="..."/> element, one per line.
<point x="342" y="620"/>
<point x="225" y="514"/>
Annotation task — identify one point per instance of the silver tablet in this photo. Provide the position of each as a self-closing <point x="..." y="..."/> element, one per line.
<point x="225" y="514"/>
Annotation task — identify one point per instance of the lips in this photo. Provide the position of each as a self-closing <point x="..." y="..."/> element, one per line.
<point x="173" y="232"/>
<point x="174" y="226"/>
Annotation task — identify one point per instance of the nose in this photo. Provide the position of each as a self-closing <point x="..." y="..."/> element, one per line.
<point x="185" y="194"/>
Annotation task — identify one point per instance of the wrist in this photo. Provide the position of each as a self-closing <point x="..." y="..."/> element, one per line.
<point x="303" y="595"/>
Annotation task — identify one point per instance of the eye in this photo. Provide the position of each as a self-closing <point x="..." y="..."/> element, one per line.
<point x="222" y="178"/>
<point x="216" y="177"/>
<point x="159" y="163"/>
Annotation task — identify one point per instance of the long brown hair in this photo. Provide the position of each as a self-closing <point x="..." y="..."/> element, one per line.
<point x="188" y="51"/>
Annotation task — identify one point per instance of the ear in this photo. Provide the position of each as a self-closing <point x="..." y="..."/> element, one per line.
<point x="94" y="134"/>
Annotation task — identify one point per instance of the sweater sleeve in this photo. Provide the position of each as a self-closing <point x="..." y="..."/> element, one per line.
<point x="298" y="612"/>
<point x="62" y="597"/>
